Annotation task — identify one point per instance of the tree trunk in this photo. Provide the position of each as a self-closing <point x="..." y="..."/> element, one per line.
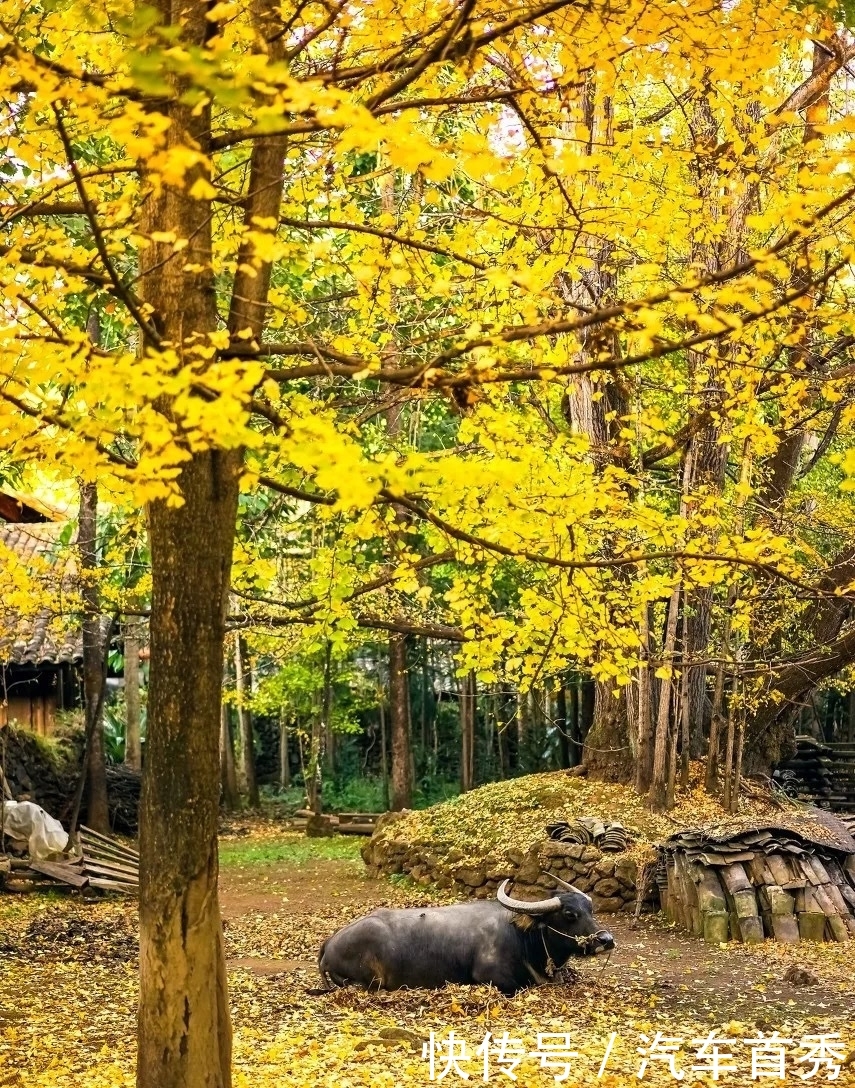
<point x="523" y="727"/>
<point x="423" y="708"/>
<point x="384" y="757"/>
<point x="467" y="733"/>
<point x="133" y="748"/>
<point x="313" y="776"/>
<point x="562" y="725"/>
<point x="644" y="751"/>
<point x="671" y="783"/>
<point x="327" y="696"/>
<point x="184" y="1029"/>
<point x="685" y="723"/>
<point x="727" y="791"/>
<point x="575" y="726"/>
<point x="587" y="706"/>
<point x="228" y="774"/>
<point x="399" y="722"/>
<point x="284" y="764"/>
<point x="663" y="742"/>
<point x="94" y="662"/>
<point x="501" y="752"/>
<point x="607" y="752"/>
<point x="243" y="686"/>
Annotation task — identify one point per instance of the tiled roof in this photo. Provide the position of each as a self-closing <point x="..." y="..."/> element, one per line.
<point x="22" y="508"/>
<point x="30" y="540"/>
<point x="44" y="638"/>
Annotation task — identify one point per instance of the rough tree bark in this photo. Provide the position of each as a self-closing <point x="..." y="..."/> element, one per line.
<point x="184" y="1026"/>
<point x="133" y="748"/>
<point x="607" y="750"/>
<point x="399" y="724"/>
<point x="184" y="1031"/>
<point x="467" y="732"/>
<point x="663" y="737"/>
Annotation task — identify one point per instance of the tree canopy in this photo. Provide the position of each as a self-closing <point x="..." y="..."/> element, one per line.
<point x="523" y="326"/>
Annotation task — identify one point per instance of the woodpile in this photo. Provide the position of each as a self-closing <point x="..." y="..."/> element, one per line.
<point x="104" y="863"/>
<point x="123" y="798"/>
<point x="47" y="772"/>
<point x="820" y="774"/>
<point x="748" y="882"/>
<point x="335" y="823"/>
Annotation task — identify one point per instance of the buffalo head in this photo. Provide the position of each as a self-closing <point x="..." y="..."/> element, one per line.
<point x="569" y="915"/>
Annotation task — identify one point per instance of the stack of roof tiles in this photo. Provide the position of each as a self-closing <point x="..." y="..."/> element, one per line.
<point x="589" y="831"/>
<point x="793" y="880"/>
<point x="820" y="774"/>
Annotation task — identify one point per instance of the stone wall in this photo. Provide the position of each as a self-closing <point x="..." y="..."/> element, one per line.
<point x="608" y="878"/>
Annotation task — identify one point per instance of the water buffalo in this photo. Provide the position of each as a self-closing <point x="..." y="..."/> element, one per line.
<point x="507" y="942"/>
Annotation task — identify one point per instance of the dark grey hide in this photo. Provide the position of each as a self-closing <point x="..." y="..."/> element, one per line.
<point x="479" y="942"/>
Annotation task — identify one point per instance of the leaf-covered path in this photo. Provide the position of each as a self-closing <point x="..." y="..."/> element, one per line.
<point x="68" y="988"/>
<point x="277" y="911"/>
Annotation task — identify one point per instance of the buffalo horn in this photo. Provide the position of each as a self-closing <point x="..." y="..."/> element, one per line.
<point x="569" y="887"/>
<point x="542" y="906"/>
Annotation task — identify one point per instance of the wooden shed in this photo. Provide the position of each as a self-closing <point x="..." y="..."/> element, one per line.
<point x="792" y="879"/>
<point x="41" y="650"/>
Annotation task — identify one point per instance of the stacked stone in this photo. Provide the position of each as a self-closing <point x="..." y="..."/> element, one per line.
<point x="608" y="878"/>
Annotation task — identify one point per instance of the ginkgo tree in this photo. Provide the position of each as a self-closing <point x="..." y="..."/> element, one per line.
<point x="277" y="206"/>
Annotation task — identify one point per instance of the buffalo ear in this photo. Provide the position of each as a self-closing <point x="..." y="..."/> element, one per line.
<point x="522" y="921"/>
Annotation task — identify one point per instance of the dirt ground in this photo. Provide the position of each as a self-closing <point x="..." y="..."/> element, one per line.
<point x="651" y="958"/>
<point x="69" y="980"/>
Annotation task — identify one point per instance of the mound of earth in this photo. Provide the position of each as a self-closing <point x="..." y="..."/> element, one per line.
<point x="498" y="831"/>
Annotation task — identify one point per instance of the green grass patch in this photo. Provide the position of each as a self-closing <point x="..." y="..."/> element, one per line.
<point x="363" y="794"/>
<point x="296" y="851"/>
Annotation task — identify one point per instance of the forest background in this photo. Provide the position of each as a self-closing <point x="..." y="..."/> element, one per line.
<point x="501" y="346"/>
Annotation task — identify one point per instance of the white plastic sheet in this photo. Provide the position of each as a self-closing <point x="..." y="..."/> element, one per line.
<point x="28" y="823"/>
